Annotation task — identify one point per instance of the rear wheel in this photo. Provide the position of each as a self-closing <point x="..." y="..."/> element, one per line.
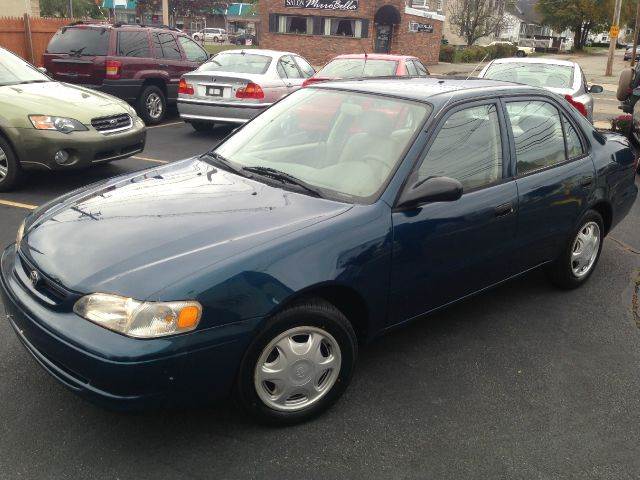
<point x="10" y="172"/>
<point x="581" y="253"/>
<point x="519" y="53"/>
<point x="152" y="105"/>
<point x="299" y="364"/>
<point x="202" y="126"/>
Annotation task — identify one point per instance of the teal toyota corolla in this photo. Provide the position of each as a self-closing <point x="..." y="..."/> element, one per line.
<point x="344" y="210"/>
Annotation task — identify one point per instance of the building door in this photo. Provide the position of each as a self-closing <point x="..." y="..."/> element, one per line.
<point x="385" y="18"/>
<point x="383" y="38"/>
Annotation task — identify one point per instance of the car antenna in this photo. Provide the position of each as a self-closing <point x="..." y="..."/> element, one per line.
<point x="464" y="81"/>
<point x="364" y="65"/>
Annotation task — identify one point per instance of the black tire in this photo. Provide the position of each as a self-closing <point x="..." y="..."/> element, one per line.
<point x="520" y="53"/>
<point x="151" y="92"/>
<point x="560" y="272"/>
<point x="624" y="83"/>
<point x="314" y="313"/>
<point x="202" y="126"/>
<point x="9" y="160"/>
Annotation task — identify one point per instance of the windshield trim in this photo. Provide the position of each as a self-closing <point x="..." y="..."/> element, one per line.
<point x="334" y="195"/>
<point x="394" y="74"/>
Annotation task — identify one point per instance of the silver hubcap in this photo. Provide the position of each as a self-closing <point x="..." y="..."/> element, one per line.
<point x="4" y="164"/>
<point x="297" y="368"/>
<point x="154" y="105"/>
<point x="585" y="249"/>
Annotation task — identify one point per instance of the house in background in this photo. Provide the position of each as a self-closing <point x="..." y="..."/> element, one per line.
<point x="242" y="18"/>
<point x="17" y="8"/>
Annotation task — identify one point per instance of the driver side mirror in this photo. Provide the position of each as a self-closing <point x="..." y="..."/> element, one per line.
<point x="596" y="89"/>
<point x="433" y="189"/>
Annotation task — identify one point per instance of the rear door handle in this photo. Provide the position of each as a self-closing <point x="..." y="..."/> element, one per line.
<point x="504" y="209"/>
<point x="586" y="181"/>
<point x="163" y="65"/>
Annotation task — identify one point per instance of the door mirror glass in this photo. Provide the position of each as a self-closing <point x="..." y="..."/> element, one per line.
<point x="596" y="89"/>
<point x="433" y="189"/>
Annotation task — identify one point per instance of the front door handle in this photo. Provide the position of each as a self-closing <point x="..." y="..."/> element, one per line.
<point x="504" y="209"/>
<point x="586" y="181"/>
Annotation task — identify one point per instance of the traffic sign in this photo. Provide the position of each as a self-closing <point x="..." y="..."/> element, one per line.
<point x="614" y="31"/>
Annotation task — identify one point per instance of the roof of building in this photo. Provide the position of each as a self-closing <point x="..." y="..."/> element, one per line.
<point x="125" y="4"/>
<point x="526" y="11"/>
<point x="435" y="89"/>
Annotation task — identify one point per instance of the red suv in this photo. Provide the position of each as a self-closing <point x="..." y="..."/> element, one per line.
<point x="140" y="64"/>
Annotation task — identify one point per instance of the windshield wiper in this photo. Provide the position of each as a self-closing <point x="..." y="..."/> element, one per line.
<point x="219" y="161"/>
<point x="283" y="177"/>
<point x="76" y="52"/>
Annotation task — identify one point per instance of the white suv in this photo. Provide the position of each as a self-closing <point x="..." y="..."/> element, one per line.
<point x="211" y="35"/>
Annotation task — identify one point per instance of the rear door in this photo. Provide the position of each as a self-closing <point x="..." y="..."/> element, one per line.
<point x="555" y="176"/>
<point x="134" y="52"/>
<point x="170" y="63"/>
<point x="443" y="251"/>
<point x="294" y="77"/>
<point x="78" y="54"/>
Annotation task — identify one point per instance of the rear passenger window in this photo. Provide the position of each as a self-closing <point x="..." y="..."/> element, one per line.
<point x="289" y="67"/>
<point x="574" y="146"/>
<point x="467" y="148"/>
<point x="133" y="44"/>
<point x="537" y="134"/>
<point x="165" y="46"/>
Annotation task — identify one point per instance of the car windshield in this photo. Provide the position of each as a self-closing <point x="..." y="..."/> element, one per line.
<point x="80" y="41"/>
<point x="543" y="75"/>
<point x="344" y="144"/>
<point x="356" y="67"/>
<point x="237" y="63"/>
<point x="14" y="70"/>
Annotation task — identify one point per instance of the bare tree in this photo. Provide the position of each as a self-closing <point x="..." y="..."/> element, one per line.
<point x="476" y="18"/>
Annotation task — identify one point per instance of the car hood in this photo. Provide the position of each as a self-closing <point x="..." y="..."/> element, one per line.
<point x="61" y="99"/>
<point x="138" y="234"/>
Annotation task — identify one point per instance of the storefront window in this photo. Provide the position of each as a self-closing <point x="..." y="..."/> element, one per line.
<point x="343" y="27"/>
<point x="299" y="25"/>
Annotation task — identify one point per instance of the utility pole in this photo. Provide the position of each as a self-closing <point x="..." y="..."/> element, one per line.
<point x="70" y="8"/>
<point x="613" y="33"/>
<point x="165" y="12"/>
<point x="635" y="35"/>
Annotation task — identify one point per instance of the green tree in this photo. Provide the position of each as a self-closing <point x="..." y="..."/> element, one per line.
<point x="60" y="8"/>
<point x="583" y="17"/>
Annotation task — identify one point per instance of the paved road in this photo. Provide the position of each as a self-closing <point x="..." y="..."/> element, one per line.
<point x="523" y="382"/>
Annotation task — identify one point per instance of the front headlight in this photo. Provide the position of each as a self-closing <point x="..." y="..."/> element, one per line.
<point x="61" y="124"/>
<point x="139" y="319"/>
<point x="20" y="235"/>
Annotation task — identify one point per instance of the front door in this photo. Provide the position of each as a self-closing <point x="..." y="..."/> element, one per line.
<point x="446" y="250"/>
<point x="383" y="38"/>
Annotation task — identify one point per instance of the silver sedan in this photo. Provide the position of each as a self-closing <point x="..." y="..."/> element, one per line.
<point x="558" y="76"/>
<point x="236" y="85"/>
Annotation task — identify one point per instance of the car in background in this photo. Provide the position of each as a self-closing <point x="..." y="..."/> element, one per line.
<point x="629" y="52"/>
<point x="363" y="65"/>
<point x="49" y="125"/>
<point x="236" y="85"/>
<point x="520" y="52"/>
<point x="258" y="267"/>
<point x="137" y="63"/>
<point x="562" y="77"/>
<point x="243" y="39"/>
<point x="217" y="35"/>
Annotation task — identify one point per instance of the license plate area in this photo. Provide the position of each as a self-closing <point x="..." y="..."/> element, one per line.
<point x="215" y="91"/>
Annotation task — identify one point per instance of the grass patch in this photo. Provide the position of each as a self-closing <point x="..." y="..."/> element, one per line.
<point x="217" y="48"/>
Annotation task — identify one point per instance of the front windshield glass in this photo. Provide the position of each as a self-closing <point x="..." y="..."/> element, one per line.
<point x="14" y="70"/>
<point x="355" y="68"/>
<point x="345" y="144"/>
<point x="237" y="63"/>
<point x="543" y="75"/>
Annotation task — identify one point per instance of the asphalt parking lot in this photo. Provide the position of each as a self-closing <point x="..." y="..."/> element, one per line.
<point x="522" y="382"/>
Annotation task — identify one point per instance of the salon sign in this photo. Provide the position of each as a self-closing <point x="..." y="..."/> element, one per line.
<point x="323" y="4"/>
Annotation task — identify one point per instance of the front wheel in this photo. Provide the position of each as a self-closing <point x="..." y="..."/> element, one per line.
<point x="299" y="364"/>
<point x="581" y="253"/>
<point x="10" y="172"/>
<point x="151" y="105"/>
<point x="520" y="53"/>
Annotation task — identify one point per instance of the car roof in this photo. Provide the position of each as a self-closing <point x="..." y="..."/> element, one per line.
<point x="435" y="89"/>
<point x="374" y="56"/>
<point x="260" y="51"/>
<point x="548" y="61"/>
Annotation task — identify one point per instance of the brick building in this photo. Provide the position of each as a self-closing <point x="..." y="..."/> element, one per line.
<point x="322" y="29"/>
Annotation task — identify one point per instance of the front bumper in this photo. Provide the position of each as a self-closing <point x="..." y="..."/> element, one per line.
<point x="219" y="112"/>
<point x="36" y="148"/>
<point x="116" y="371"/>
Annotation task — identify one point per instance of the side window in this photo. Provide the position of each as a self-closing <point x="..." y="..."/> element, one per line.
<point x="467" y="148"/>
<point x="280" y="69"/>
<point x="306" y="69"/>
<point x="422" y="70"/>
<point x="537" y="134"/>
<point x="411" y="68"/>
<point x="290" y="67"/>
<point x="133" y="44"/>
<point x="574" y="145"/>
<point x="192" y="50"/>
<point x="165" y="46"/>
